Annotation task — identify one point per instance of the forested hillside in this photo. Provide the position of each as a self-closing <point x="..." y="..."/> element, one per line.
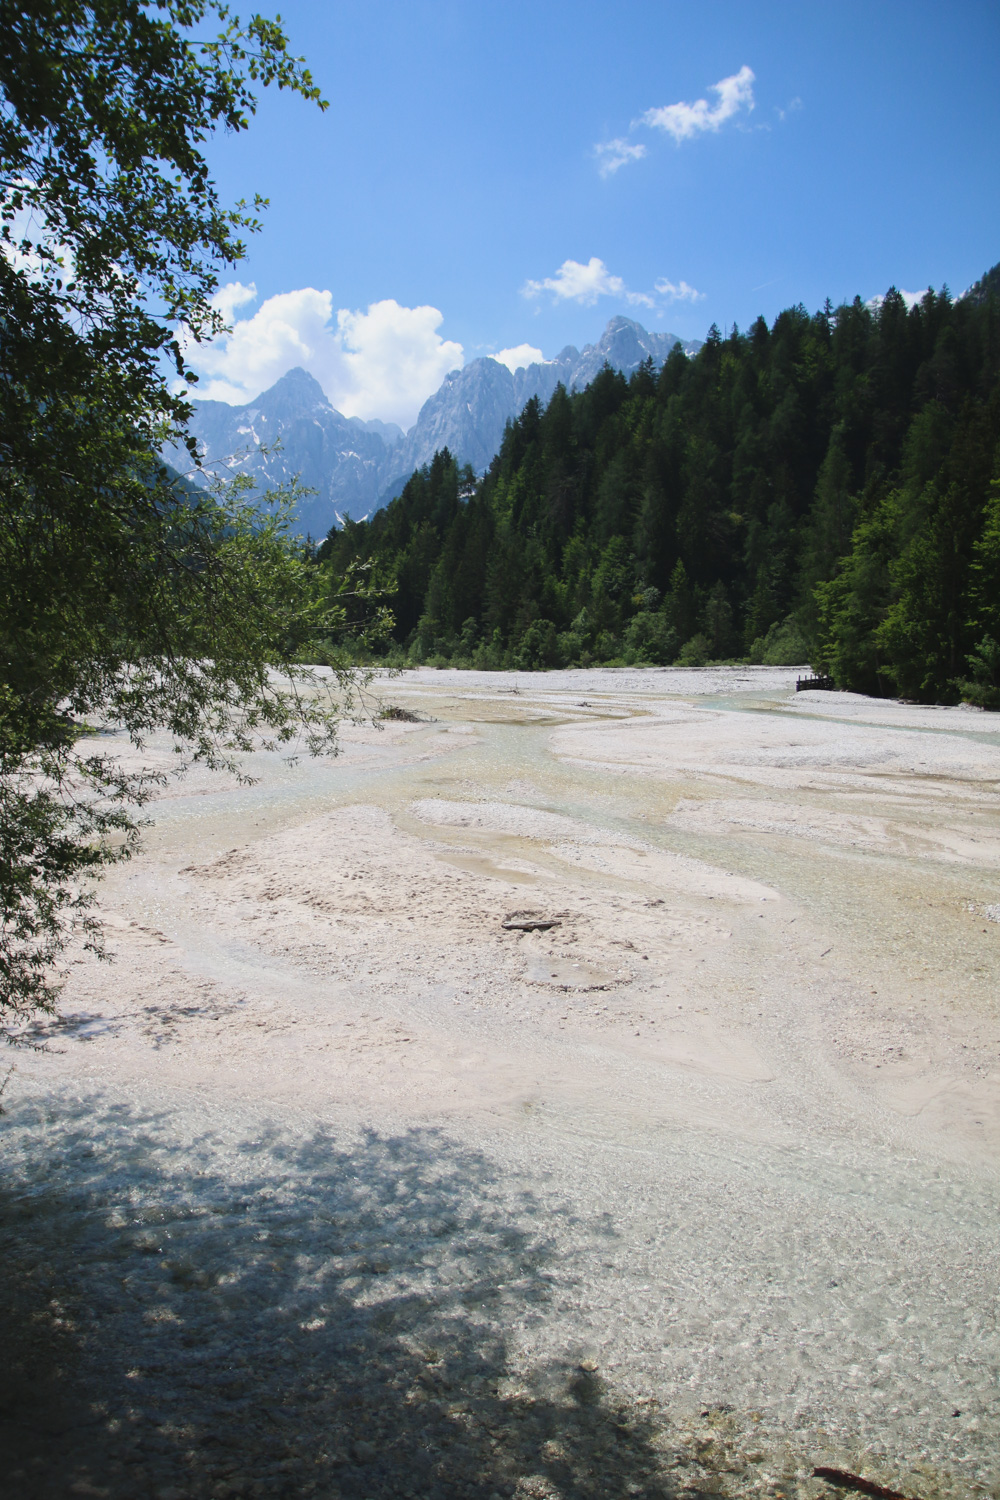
<point x="823" y="490"/>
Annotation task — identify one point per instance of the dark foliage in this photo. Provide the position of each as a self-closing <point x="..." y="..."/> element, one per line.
<point x="126" y="596"/>
<point x="817" y="490"/>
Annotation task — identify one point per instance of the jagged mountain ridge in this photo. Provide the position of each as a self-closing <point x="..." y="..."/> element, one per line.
<point x="355" y="466"/>
<point x="986" y="287"/>
<point x="469" y="411"/>
<point x="291" y="429"/>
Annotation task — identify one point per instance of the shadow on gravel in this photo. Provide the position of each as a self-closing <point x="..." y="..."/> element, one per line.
<point x="284" y="1317"/>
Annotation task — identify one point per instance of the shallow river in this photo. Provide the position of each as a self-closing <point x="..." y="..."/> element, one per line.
<point x="589" y="1087"/>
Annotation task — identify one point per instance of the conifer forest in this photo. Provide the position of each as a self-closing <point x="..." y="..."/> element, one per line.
<point x="823" y="490"/>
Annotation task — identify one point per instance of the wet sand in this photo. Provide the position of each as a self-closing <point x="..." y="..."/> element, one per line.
<point x="619" y="1050"/>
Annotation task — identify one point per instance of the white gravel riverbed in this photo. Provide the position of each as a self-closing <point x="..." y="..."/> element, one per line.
<point x="332" y="1185"/>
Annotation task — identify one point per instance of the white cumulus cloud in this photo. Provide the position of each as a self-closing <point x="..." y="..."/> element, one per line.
<point x="678" y="291"/>
<point x="581" y="283"/>
<point x="519" y="357"/>
<point x="383" y="362"/>
<point x="576" y="282"/>
<point x="617" y="153"/>
<point x="233" y="295"/>
<point x="682" y="121"/>
<point x="910" y="298"/>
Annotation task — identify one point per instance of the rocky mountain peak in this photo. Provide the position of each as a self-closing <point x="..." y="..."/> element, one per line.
<point x="296" y="394"/>
<point x="355" y="465"/>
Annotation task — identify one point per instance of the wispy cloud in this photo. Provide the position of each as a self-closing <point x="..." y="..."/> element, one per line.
<point x="576" y="282"/>
<point x="611" y="155"/>
<point x="791" y="108"/>
<point x="683" y="121"/>
<point x="677" y="291"/>
<point x="383" y="362"/>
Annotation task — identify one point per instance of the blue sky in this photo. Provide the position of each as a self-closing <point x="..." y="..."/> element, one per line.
<point x="847" y="147"/>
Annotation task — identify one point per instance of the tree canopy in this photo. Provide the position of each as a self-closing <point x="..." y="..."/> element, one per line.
<point x="126" y="594"/>
<point x="822" y="489"/>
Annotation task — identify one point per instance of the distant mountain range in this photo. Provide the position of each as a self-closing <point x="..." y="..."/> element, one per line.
<point x="355" y="467"/>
